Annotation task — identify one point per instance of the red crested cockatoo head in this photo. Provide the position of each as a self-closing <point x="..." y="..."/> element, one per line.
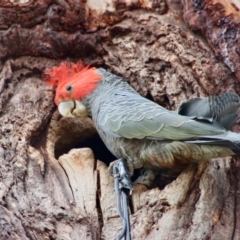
<point x="73" y="83"/>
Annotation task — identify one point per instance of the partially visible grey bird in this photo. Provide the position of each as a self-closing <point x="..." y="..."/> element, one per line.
<point x="139" y="130"/>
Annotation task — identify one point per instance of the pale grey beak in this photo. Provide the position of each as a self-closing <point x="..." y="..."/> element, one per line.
<point x="72" y="108"/>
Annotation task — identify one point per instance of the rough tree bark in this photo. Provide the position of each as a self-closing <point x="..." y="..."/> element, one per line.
<point x="51" y="186"/>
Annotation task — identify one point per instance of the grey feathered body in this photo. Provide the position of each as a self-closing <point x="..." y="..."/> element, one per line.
<point x="151" y="136"/>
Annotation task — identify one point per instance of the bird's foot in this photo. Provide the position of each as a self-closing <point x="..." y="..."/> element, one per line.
<point x="122" y="172"/>
<point x="130" y="167"/>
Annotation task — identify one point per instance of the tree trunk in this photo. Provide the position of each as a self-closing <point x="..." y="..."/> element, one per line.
<point x="51" y="185"/>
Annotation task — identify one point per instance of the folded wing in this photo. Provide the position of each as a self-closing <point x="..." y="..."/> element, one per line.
<point x="132" y="116"/>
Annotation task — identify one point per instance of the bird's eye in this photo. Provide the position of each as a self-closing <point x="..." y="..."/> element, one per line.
<point x="69" y="88"/>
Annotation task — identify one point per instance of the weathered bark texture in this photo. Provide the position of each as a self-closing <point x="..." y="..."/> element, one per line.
<point x="51" y="186"/>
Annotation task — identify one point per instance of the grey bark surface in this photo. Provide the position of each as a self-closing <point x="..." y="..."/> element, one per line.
<point x="169" y="51"/>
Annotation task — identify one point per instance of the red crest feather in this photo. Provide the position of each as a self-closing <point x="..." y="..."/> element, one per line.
<point x="83" y="78"/>
<point x="62" y="73"/>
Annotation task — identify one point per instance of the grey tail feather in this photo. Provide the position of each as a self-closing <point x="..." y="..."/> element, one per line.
<point x="228" y="139"/>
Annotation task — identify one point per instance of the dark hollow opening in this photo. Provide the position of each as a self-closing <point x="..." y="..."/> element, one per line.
<point x="99" y="149"/>
<point x="102" y="153"/>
